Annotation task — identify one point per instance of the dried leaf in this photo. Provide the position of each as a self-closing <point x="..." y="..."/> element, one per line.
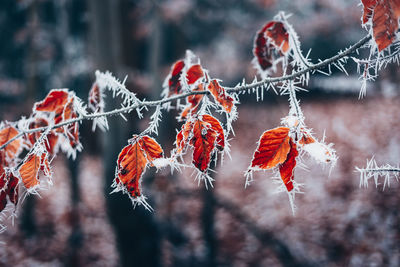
<point x="52" y="137"/>
<point x="29" y="170"/>
<point x="95" y="103"/>
<point x="204" y="134"/>
<point x="174" y="83"/>
<point x="385" y="15"/>
<point x="272" y="149"/>
<point x="194" y="73"/>
<point x="133" y="160"/>
<point x="219" y="94"/>
<point x="54" y="101"/>
<point x="286" y="169"/>
<point x="193" y="102"/>
<point x="271" y="42"/>
<point x="12" y="149"/>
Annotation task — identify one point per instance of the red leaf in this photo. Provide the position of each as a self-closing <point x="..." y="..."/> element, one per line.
<point x="272" y="149"/>
<point x="272" y="39"/>
<point x="133" y="160"/>
<point x="3" y="189"/>
<point x="286" y="169"/>
<point x="219" y="94"/>
<point x="54" y="101"/>
<point x="194" y="73"/>
<point x="207" y="134"/>
<point x="12" y="189"/>
<point x="174" y="83"/>
<point x="12" y="149"/>
<point x="384" y="15"/>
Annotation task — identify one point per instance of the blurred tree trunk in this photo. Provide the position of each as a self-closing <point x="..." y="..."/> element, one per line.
<point x="28" y="220"/>
<point x="136" y="231"/>
<point x="208" y="223"/>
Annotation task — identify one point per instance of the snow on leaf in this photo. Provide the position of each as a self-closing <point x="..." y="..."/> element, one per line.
<point x="271" y="42"/>
<point x="384" y="16"/>
<point x="320" y="152"/>
<point x="219" y="94"/>
<point x="272" y="149"/>
<point x="12" y="150"/>
<point x="286" y="169"/>
<point x="131" y="165"/>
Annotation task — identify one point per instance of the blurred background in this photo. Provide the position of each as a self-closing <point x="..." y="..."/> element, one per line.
<point x="49" y="44"/>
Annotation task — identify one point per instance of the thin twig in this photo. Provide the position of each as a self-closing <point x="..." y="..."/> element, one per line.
<point x="236" y="89"/>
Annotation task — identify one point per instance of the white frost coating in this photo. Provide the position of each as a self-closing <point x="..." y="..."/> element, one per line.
<point x="108" y="81"/>
<point x="372" y="170"/>
<point x="321" y="152"/>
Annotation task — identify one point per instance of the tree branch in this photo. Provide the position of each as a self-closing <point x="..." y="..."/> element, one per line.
<point x="236" y="89"/>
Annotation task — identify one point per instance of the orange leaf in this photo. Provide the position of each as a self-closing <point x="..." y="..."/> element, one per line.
<point x="272" y="149"/>
<point x="133" y="160"/>
<point x="219" y="94"/>
<point x="286" y="168"/>
<point x="272" y="39"/>
<point x="385" y="15"/>
<point x="29" y="170"/>
<point x="12" y="149"/>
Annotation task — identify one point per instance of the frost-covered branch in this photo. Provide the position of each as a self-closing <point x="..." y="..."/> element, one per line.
<point x="372" y="170"/>
<point x="134" y="103"/>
